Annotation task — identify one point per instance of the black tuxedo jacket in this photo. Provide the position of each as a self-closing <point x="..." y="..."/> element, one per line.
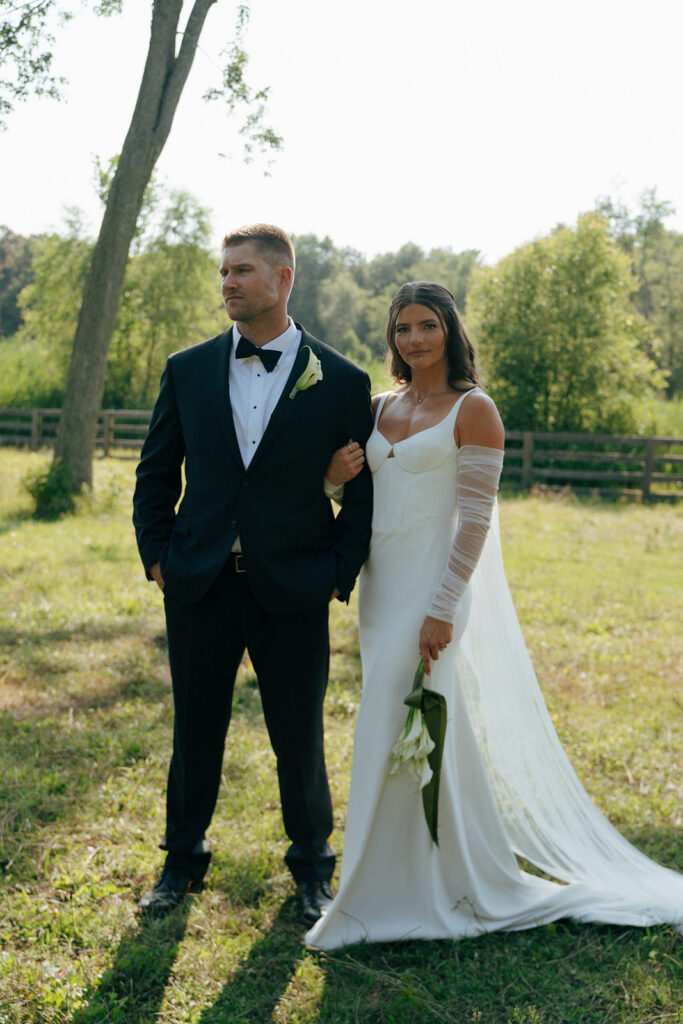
<point x="295" y="550"/>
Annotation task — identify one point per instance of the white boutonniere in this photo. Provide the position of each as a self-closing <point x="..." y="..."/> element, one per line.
<point x="311" y="375"/>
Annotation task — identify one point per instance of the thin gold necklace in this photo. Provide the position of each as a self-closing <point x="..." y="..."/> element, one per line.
<point x="418" y="400"/>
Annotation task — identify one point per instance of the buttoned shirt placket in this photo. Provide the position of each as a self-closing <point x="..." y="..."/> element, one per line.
<point x="254" y="392"/>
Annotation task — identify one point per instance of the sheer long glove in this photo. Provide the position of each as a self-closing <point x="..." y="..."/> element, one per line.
<point x="479" y="471"/>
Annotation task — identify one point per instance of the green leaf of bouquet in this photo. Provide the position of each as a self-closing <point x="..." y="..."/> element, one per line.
<point x="434" y="709"/>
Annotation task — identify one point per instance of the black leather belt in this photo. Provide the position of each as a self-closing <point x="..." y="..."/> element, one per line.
<point x="236" y="562"/>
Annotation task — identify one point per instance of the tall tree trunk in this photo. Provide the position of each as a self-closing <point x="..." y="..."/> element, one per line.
<point x="162" y="84"/>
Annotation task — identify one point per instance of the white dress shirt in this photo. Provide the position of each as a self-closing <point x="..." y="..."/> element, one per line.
<point x="254" y="392"/>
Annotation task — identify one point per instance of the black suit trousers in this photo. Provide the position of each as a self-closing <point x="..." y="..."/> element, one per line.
<point x="290" y="655"/>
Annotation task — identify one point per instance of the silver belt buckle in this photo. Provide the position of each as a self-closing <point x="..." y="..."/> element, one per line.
<point x="238" y="562"/>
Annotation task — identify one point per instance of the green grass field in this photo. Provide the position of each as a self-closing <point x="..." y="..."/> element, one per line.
<point x="85" y="737"/>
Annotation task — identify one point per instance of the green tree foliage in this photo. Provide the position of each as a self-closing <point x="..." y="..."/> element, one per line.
<point x="317" y="261"/>
<point x="452" y="269"/>
<point x="657" y="260"/>
<point x="26" y="58"/>
<point x="383" y="275"/>
<point x="170" y="299"/>
<point x="15" y="273"/>
<point x="341" y="315"/>
<point x="344" y="298"/>
<point x="34" y="361"/>
<point x="561" y="345"/>
<point x="389" y="270"/>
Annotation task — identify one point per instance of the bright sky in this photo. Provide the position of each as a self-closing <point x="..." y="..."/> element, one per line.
<point x="460" y="123"/>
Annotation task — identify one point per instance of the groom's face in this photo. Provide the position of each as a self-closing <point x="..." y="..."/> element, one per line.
<point x="251" y="284"/>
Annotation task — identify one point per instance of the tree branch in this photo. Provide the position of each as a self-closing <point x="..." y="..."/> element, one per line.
<point x="181" y="65"/>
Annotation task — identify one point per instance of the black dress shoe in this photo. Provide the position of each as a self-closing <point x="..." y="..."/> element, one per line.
<point x="168" y="893"/>
<point x="315" y="899"/>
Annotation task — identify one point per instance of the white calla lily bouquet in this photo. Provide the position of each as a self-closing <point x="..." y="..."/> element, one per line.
<point x="420" y="745"/>
<point x="412" y="748"/>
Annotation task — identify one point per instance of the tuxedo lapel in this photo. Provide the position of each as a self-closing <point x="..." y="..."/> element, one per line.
<point x="285" y="405"/>
<point x="219" y="390"/>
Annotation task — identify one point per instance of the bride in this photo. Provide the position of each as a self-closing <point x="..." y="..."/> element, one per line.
<point x="434" y="586"/>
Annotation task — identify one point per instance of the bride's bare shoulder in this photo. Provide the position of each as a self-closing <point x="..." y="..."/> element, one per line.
<point x="376" y="399"/>
<point x="479" y="422"/>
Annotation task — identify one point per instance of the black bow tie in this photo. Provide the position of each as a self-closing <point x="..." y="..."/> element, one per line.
<point x="246" y="348"/>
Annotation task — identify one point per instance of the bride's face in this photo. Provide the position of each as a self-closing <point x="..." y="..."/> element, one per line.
<point x="420" y="337"/>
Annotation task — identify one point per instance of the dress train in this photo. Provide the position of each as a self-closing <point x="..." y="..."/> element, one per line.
<point x="507" y="788"/>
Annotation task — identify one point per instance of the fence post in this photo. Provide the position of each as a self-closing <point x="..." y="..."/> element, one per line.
<point x="36" y="428"/>
<point x="527" y="458"/>
<point x="107" y="431"/>
<point x="648" y="465"/>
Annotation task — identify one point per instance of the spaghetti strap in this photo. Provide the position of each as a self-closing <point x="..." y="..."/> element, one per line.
<point x="381" y="405"/>
<point x="456" y="406"/>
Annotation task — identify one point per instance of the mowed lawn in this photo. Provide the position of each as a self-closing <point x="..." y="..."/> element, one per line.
<point x="85" y="734"/>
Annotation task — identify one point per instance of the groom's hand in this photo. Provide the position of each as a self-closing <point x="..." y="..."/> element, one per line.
<point x="155" y="573"/>
<point x="335" y="593"/>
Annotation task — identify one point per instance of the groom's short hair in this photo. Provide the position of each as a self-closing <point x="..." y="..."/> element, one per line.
<point x="271" y="241"/>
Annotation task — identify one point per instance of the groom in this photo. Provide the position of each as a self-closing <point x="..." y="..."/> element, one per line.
<point x="253" y="554"/>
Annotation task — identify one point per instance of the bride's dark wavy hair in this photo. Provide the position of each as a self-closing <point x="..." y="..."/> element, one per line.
<point x="462" y="362"/>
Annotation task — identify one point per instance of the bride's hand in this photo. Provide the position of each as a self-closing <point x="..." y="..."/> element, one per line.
<point x="435" y="636"/>
<point x="346" y="463"/>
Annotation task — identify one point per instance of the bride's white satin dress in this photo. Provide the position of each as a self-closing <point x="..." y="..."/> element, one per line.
<point x="506" y="786"/>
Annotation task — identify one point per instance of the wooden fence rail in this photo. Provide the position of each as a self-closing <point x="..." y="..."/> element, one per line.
<point x="37" y="428"/>
<point x="625" y="464"/>
<point x="616" y="464"/>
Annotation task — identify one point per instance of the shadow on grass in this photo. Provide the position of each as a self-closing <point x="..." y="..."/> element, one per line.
<point x="255" y="989"/>
<point x="663" y="844"/>
<point x="14" y="521"/>
<point x="148" y="689"/>
<point x="133" y="988"/>
<point x="38" y="637"/>
<point x="563" y="973"/>
<point x="55" y="759"/>
<point x="50" y="671"/>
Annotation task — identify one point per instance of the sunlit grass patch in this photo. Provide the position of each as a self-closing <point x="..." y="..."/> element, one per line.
<point x="85" y="737"/>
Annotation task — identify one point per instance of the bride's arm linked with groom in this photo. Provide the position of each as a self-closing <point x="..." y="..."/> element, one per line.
<point x="249" y="555"/>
